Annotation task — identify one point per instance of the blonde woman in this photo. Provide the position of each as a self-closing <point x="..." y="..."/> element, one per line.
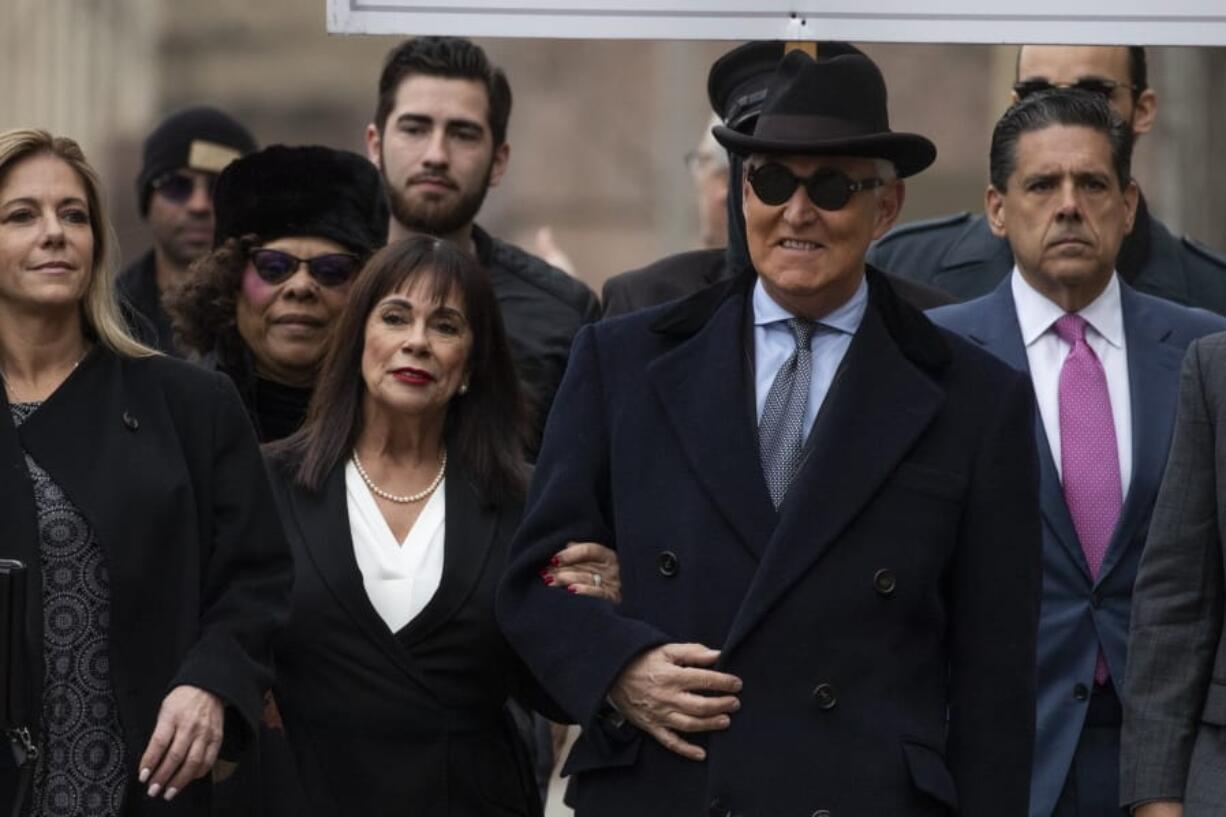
<point x="132" y="488"/>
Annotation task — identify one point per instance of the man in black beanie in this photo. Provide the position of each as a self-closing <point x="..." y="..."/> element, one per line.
<point x="182" y="158"/>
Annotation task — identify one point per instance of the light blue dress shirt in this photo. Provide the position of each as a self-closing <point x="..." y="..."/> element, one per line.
<point x="773" y="344"/>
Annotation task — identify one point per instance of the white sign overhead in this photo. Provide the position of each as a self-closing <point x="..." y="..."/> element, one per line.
<point x="1173" y="22"/>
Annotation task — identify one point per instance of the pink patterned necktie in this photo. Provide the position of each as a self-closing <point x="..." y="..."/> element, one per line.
<point x="1089" y="457"/>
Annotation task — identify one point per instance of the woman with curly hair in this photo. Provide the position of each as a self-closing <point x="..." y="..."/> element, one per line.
<point x="293" y="227"/>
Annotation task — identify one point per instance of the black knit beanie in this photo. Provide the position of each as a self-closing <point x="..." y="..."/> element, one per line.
<point x="200" y="138"/>
<point x="302" y="191"/>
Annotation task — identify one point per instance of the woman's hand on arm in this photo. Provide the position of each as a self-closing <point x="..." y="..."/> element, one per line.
<point x="586" y="569"/>
<point x="185" y="741"/>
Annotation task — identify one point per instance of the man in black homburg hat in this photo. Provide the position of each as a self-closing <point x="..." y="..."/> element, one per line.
<point x="825" y="510"/>
<point x="736" y="88"/>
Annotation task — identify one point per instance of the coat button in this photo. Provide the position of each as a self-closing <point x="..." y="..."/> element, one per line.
<point x="824" y="695"/>
<point x="130" y="422"/>
<point x="668" y="563"/>
<point x="1096" y="599"/>
<point x="884" y="582"/>
<point x="1081" y="692"/>
<point x="821" y="812"/>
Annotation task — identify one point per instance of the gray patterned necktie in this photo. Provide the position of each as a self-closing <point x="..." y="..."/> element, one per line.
<point x="781" y="432"/>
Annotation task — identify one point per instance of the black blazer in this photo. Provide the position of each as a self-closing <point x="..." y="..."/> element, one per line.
<point x="883" y="620"/>
<point x="160" y="458"/>
<point x="411" y="723"/>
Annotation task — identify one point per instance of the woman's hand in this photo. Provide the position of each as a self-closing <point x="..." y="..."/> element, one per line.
<point x="586" y="569"/>
<point x="185" y="741"/>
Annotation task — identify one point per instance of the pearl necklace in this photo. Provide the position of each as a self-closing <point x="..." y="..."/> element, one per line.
<point x="390" y="497"/>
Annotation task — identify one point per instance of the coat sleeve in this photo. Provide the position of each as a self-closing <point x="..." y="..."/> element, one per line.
<point x="994" y="584"/>
<point x="575" y="645"/>
<point x="1177" y="607"/>
<point x="246" y="569"/>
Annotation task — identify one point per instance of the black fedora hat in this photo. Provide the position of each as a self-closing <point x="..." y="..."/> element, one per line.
<point x="835" y="107"/>
<point x="738" y="81"/>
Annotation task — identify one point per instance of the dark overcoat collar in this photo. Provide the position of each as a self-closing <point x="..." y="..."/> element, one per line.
<point x="884" y="398"/>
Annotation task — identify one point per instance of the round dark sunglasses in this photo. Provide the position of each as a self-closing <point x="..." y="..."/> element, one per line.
<point x="829" y="189"/>
<point x="178" y="187"/>
<point x="1093" y="85"/>
<point x="331" y="270"/>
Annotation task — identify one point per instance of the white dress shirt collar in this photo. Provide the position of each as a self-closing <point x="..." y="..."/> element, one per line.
<point x="845" y="319"/>
<point x="1036" y="312"/>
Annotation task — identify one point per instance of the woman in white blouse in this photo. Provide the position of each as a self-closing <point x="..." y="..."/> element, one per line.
<point x="400" y="494"/>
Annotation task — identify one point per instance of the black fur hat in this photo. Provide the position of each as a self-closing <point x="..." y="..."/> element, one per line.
<point x="302" y="191"/>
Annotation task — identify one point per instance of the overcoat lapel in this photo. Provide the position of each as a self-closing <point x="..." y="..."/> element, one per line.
<point x="470" y="529"/>
<point x="1001" y="335"/>
<point x="881" y="404"/>
<point x="322" y="519"/>
<point x="19" y="540"/>
<point x="701" y="386"/>
<point x="1153" y="380"/>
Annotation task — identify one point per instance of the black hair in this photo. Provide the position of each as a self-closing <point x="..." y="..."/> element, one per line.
<point x="1060" y="106"/>
<point x="450" y="58"/>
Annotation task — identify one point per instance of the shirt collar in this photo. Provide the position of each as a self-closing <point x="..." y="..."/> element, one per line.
<point x="1036" y="312"/>
<point x="845" y="319"/>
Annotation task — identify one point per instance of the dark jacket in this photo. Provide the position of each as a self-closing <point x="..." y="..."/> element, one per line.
<point x="542" y="309"/>
<point x="685" y="273"/>
<point x="407" y="723"/>
<point x="141" y="304"/>
<point x="960" y="255"/>
<point x="1081" y="614"/>
<point x="159" y="457"/>
<point x="883" y="620"/>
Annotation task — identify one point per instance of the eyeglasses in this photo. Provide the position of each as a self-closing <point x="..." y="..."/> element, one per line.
<point x="178" y="187"/>
<point x="828" y="189"/>
<point x="1094" y="85"/>
<point x="331" y="270"/>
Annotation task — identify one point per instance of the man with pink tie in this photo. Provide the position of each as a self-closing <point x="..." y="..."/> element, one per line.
<point x="1104" y="360"/>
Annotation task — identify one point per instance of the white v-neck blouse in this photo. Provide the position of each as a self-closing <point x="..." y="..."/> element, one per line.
<point x="400" y="577"/>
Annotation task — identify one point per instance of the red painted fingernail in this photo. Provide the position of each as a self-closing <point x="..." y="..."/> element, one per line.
<point x="543" y="572"/>
<point x="572" y="589"/>
<point x="549" y="579"/>
<point x="555" y="561"/>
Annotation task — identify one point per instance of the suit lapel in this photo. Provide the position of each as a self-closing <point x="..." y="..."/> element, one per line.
<point x="1153" y="378"/>
<point x="999" y="333"/>
<point x="470" y="529"/>
<point x="701" y="385"/>
<point x="871" y="418"/>
<point x="322" y="519"/>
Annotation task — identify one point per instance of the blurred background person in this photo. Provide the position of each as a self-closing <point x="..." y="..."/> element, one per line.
<point x="294" y="226"/>
<point x="399" y="496"/>
<point x="154" y="596"/>
<point x="708" y="166"/>
<point x="736" y="88"/>
<point x="439" y="138"/>
<point x="960" y="254"/>
<point x="182" y="157"/>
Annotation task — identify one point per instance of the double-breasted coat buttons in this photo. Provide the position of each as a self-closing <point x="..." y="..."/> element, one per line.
<point x="884" y="582"/>
<point x="130" y="422"/>
<point x="668" y="563"/>
<point x="824" y="696"/>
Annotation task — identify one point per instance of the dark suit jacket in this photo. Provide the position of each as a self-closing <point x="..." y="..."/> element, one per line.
<point x="408" y="723"/>
<point x="677" y="276"/>
<point x="959" y="254"/>
<point x="159" y="457"/>
<point x="1174" y="739"/>
<point x="1079" y="613"/>
<point x="883" y="621"/>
